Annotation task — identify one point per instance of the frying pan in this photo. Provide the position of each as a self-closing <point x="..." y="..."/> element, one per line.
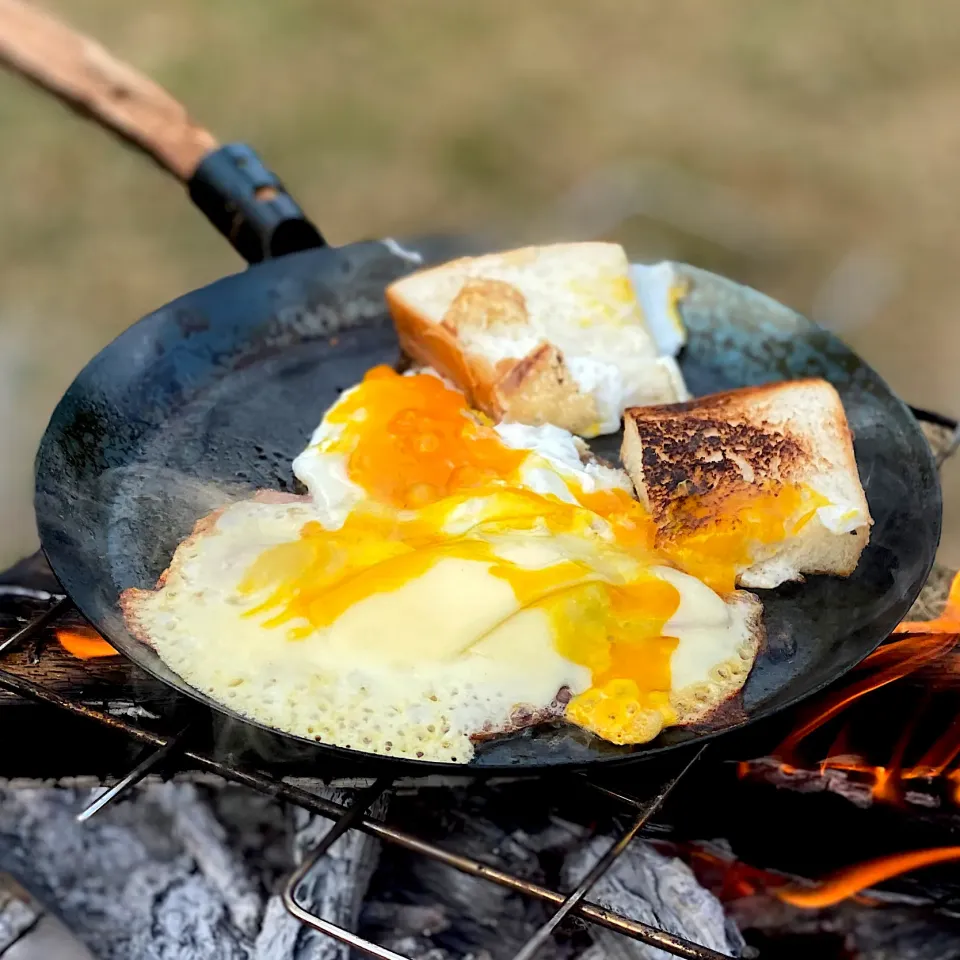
<point x="211" y="396"/>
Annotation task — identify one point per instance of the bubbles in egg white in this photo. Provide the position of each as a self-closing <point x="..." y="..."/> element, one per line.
<point x="399" y="673"/>
<point x="416" y="671"/>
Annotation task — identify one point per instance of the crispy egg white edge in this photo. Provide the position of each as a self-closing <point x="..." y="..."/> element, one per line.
<point x="340" y="684"/>
<point x="554" y="457"/>
<point x="197" y="626"/>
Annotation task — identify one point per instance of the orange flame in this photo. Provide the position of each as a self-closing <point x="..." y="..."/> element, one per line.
<point x="852" y="880"/>
<point x="884" y="666"/>
<point x="921" y="645"/>
<point x="731" y="879"/>
<point x="727" y="878"/>
<point x="939" y="756"/>
<point x="84" y="643"/>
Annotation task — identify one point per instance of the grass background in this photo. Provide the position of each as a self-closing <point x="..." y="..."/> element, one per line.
<point x="811" y="150"/>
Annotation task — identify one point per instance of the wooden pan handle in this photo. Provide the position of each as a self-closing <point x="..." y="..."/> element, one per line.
<point x="87" y="78"/>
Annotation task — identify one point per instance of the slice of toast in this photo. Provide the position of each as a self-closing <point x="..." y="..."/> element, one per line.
<point x="769" y="468"/>
<point x="552" y="334"/>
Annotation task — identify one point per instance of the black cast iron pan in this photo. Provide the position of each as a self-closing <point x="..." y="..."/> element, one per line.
<point x="212" y="395"/>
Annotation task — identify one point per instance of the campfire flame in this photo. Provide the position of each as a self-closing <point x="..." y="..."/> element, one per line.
<point x="920" y="646"/>
<point x="947" y="622"/>
<point x="852" y="880"/>
<point x="890" y="663"/>
<point x="731" y="879"/>
<point x="927" y="647"/>
<point x="84" y="643"/>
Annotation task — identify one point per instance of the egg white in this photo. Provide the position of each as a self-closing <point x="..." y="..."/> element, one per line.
<point x="324" y="472"/>
<point x="412" y="672"/>
<point x="419" y="670"/>
<point x="657" y="286"/>
<point x="842" y="517"/>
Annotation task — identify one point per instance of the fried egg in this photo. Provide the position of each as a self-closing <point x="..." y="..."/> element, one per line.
<point x="659" y="289"/>
<point x="445" y="579"/>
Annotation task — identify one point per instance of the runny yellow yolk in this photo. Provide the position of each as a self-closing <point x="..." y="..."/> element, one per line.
<point x="422" y="456"/>
<point x="412" y="441"/>
<point x="713" y="542"/>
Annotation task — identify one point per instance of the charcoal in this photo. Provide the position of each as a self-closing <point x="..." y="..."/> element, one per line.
<point x="160" y="877"/>
<point x="335" y="890"/>
<point x="481" y="917"/>
<point x="656" y="890"/>
<point x="18" y="913"/>
<point x="478" y="916"/>
<point x="186" y="869"/>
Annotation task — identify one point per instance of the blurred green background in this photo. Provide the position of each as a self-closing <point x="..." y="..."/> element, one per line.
<point x="811" y="150"/>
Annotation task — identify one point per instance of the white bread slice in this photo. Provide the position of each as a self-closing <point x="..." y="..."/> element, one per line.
<point x="552" y="334"/>
<point x="726" y="445"/>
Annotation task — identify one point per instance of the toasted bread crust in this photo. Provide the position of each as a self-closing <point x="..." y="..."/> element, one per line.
<point x="436" y="345"/>
<point x="534" y="389"/>
<point x="539" y="389"/>
<point x="708" y="458"/>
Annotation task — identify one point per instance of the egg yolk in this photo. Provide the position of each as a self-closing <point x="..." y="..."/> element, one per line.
<point x="609" y="623"/>
<point x="632" y="525"/>
<point x="441" y="484"/>
<point x="713" y="542"/>
<point x="412" y="441"/>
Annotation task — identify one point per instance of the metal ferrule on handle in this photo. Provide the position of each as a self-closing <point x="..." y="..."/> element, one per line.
<point x="248" y="204"/>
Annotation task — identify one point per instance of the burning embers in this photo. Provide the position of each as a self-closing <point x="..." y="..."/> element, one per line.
<point x="887" y="735"/>
<point x="889" y="731"/>
<point x="832" y="920"/>
<point x="84" y="643"/>
<point x="731" y="880"/>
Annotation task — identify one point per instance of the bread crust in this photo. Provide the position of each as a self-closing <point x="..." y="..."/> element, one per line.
<point x="435" y="345"/>
<point x="710" y="459"/>
<point x="536" y="387"/>
<point x="540" y="389"/>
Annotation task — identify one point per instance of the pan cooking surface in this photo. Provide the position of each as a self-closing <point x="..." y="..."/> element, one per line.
<point x="212" y="396"/>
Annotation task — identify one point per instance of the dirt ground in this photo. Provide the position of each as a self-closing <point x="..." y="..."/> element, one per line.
<point x="810" y="150"/>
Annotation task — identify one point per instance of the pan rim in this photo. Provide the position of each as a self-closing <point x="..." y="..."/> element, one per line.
<point x="520" y="768"/>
